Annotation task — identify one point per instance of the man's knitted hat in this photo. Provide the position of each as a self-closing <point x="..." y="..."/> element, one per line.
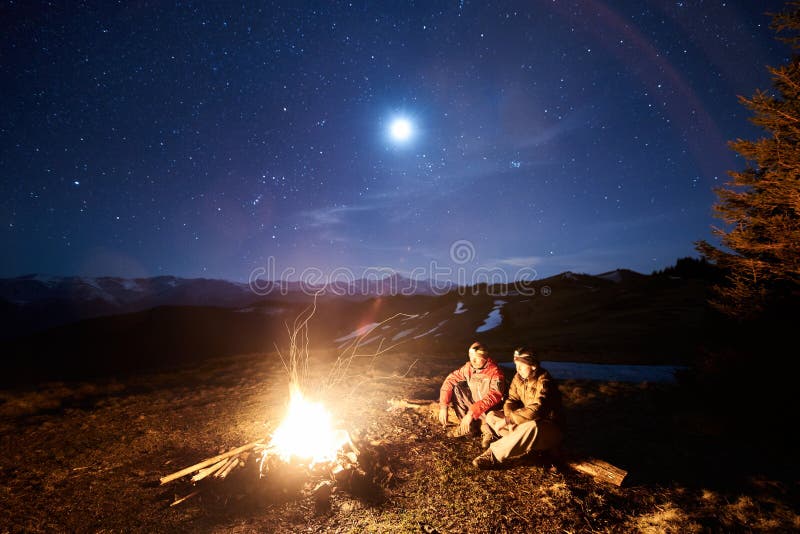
<point x="526" y="355"/>
<point x="479" y="348"/>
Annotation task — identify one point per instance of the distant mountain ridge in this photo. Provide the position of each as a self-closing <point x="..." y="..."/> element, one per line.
<point x="35" y="302"/>
<point x="172" y="290"/>
<point x="154" y="291"/>
<point x="130" y="294"/>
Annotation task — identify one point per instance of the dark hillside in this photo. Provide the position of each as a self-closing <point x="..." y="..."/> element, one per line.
<point x="161" y="337"/>
<point x="616" y="318"/>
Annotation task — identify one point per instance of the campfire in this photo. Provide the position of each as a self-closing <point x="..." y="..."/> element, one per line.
<point x="306" y="433"/>
<point x="305" y="438"/>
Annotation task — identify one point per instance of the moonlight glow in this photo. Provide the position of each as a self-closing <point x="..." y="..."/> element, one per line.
<point x="401" y="129"/>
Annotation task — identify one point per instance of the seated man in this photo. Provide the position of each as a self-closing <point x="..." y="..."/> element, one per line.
<point x="530" y="417"/>
<point x="475" y="388"/>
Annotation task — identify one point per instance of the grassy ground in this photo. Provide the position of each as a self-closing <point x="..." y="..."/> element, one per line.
<point x="88" y="457"/>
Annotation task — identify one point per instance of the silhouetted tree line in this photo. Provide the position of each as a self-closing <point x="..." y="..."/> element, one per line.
<point x="692" y="268"/>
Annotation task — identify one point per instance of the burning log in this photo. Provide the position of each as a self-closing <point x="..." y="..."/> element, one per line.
<point x="353" y="447"/>
<point x="322" y="495"/>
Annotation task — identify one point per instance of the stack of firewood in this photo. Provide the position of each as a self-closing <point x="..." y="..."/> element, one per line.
<point x="222" y="465"/>
<point x="219" y="466"/>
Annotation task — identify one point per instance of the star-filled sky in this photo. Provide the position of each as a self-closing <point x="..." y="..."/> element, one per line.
<point x="214" y="138"/>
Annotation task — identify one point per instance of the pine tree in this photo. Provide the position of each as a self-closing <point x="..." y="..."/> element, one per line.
<point x="760" y="205"/>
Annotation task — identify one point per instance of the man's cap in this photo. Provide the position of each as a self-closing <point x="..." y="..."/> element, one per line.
<point x="526" y="355"/>
<point x="479" y="348"/>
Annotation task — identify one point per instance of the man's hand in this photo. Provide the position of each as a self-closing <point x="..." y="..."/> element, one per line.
<point x="443" y="415"/>
<point x="509" y="425"/>
<point x="466" y="421"/>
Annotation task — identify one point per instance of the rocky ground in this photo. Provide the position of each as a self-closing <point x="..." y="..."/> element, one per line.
<point x="87" y="457"/>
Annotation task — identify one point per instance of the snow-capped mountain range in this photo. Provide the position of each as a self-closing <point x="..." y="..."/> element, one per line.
<point x="124" y="292"/>
<point x="171" y="290"/>
<point x="35" y="302"/>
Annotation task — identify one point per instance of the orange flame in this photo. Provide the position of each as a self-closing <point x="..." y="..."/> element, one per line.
<point x="306" y="432"/>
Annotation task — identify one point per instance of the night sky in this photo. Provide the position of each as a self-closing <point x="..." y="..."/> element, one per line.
<point x="201" y="139"/>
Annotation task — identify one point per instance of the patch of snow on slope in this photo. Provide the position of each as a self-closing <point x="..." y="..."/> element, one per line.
<point x="358" y="332"/>
<point x="373" y="339"/>
<point x="92" y="282"/>
<point x="131" y="285"/>
<point x="494" y="319"/>
<point x="47" y="280"/>
<point x="101" y="293"/>
<point x="432" y="330"/>
<point x="403" y="333"/>
<point x="459" y="308"/>
<point x="614" y="276"/>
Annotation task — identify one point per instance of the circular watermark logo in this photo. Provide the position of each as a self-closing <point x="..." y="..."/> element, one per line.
<point x="462" y="251"/>
<point x="546" y="291"/>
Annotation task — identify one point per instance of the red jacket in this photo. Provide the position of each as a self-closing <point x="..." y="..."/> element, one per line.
<point x="486" y="386"/>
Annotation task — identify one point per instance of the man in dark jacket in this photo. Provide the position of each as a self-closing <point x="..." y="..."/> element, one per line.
<point x="530" y="417"/>
<point x="474" y="388"/>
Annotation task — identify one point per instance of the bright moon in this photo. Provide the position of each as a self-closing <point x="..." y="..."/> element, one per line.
<point x="400" y="129"/>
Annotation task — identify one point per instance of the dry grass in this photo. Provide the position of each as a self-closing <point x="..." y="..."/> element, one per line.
<point x="87" y="457"/>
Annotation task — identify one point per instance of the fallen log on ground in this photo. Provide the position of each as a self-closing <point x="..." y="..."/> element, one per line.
<point x="598" y="469"/>
<point x="414" y="404"/>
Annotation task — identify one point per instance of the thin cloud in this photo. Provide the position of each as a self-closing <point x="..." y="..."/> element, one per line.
<point x="333" y="215"/>
<point x="548" y="135"/>
<point x="517" y="261"/>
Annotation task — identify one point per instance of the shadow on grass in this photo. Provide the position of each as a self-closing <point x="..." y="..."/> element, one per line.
<point x="671" y="434"/>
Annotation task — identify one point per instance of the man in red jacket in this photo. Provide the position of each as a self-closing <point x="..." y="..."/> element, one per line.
<point x="474" y="389"/>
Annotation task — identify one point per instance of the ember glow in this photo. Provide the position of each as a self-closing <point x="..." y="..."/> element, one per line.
<point x="306" y="432"/>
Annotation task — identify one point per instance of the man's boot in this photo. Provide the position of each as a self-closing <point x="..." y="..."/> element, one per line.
<point x="487" y="436"/>
<point x="458" y="433"/>
<point x="486" y="460"/>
